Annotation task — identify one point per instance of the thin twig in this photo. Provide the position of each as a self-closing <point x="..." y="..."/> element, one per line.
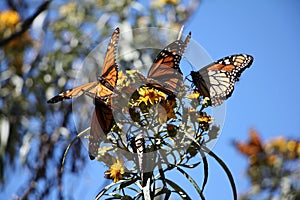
<point x="69" y="146"/>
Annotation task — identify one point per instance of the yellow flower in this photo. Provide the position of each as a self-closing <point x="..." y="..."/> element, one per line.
<point x="194" y="95"/>
<point x="298" y="149"/>
<point x="135" y="76"/>
<point x="206" y="119"/>
<point x="9" y="18"/>
<point x="292" y="149"/>
<point x="116" y="171"/>
<point x="131" y="72"/>
<point x="278" y="143"/>
<point x="124" y="85"/>
<point x="9" y="23"/>
<point x="122" y="78"/>
<point x="291" y="145"/>
<point x="150" y="95"/>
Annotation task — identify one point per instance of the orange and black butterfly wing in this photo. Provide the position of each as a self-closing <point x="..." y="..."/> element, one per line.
<point x="109" y="75"/>
<point x="101" y="124"/>
<point x="102" y="119"/>
<point x="165" y="73"/>
<point x="106" y="82"/>
<point x="217" y="80"/>
<point x="75" y="92"/>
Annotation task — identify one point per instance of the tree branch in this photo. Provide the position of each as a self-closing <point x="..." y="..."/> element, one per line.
<point x="26" y="24"/>
<point x="11" y="4"/>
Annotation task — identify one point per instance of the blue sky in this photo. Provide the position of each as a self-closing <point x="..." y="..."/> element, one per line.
<point x="267" y="95"/>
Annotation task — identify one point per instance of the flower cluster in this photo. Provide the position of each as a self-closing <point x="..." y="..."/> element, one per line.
<point x="290" y="149"/>
<point x="150" y="96"/>
<point x="173" y="129"/>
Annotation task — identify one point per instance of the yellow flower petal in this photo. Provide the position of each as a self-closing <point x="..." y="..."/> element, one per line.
<point x="150" y="95"/>
<point x="206" y="119"/>
<point x="116" y="171"/>
<point x="9" y="18"/>
<point x="194" y="95"/>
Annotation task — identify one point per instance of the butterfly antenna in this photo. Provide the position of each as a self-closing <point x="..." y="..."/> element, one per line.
<point x="180" y="32"/>
<point x="187" y="39"/>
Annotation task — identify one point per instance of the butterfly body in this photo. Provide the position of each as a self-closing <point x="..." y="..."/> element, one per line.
<point x="217" y="79"/>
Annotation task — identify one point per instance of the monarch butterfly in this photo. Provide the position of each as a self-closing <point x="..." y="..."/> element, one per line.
<point x="102" y="118"/>
<point x="106" y="82"/>
<point x="217" y="79"/>
<point x="165" y="74"/>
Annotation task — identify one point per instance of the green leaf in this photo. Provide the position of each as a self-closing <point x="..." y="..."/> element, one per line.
<point x="205" y="168"/>
<point x="104" y="190"/>
<point x="163" y="191"/>
<point x="190" y="165"/>
<point x="194" y="183"/>
<point x="127" y="183"/>
<point x="226" y="169"/>
<point x="178" y="189"/>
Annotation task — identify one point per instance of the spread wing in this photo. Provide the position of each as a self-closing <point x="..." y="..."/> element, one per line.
<point x="74" y="92"/>
<point x="217" y="79"/>
<point x="110" y="67"/>
<point x="106" y="82"/>
<point x="165" y="73"/>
